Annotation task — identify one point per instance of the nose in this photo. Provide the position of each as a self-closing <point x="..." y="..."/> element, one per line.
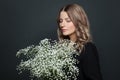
<point x="62" y="24"/>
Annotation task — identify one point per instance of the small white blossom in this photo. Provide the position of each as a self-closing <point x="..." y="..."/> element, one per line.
<point x="50" y="60"/>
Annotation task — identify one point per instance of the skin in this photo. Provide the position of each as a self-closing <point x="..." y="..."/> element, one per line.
<point x="67" y="27"/>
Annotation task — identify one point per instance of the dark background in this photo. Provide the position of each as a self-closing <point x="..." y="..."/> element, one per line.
<point x="26" y="22"/>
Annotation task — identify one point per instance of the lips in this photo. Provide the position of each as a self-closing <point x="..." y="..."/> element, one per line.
<point x="63" y="30"/>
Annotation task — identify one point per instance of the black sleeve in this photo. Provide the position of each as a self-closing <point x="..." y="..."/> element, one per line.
<point x="89" y="63"/>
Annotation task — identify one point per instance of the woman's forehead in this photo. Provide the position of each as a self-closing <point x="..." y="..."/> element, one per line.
<point x="64" y="15"/>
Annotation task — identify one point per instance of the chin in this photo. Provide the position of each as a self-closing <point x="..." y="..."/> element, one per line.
<point x="65" y="34"/>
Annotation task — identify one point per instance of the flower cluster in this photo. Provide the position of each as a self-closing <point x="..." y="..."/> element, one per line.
<point x="50" y="60"/>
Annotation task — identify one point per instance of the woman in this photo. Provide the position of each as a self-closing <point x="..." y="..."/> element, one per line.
<point x="74" y="25"/>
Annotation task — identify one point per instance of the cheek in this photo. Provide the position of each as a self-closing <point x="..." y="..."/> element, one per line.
<point x="60" y="24"/>
<point x="72" y="27"/>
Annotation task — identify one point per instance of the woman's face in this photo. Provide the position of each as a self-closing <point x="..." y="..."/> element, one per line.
<point x="66" y="25"/>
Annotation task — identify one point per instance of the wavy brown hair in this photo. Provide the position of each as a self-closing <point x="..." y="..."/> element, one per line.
<point x="79" y="18"/>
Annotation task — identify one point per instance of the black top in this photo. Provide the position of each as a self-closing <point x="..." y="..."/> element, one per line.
<point x="89" y="63"/>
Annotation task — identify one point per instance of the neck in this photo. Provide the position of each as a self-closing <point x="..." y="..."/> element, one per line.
<point x="73" y="37"/>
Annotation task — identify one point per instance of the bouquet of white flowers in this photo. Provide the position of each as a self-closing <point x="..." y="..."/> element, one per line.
<point x="50" y="60"/>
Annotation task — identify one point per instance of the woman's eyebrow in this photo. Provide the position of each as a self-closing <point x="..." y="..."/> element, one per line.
<point x="67" y="18"/>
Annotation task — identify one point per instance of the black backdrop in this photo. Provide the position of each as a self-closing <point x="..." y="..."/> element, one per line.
<point x="26" y="22"/>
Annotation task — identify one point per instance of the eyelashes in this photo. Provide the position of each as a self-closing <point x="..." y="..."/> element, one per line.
<point x="60" y="21"/>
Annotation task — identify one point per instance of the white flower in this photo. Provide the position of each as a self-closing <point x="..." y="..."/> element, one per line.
<point x="50" y="60"/>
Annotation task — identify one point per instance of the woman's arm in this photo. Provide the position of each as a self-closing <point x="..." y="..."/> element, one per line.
<point x="90" y="63"/>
